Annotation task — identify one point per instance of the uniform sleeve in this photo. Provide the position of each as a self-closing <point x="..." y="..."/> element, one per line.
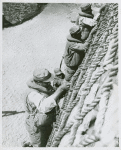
<point x="47" y="104"/>
<point x="79" y="47"/>
<point x="96" y="16"/>
<point x="35" y="97"/>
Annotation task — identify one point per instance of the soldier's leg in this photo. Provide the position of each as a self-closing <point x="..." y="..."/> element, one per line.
<point x="38" y="125"/>
<point x="69" y="73"/>
<point x="38" y="134"/>
<point x="32" y="129"/>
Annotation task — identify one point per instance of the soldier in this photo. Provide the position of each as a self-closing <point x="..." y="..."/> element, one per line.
<point x="40" y="108"/>
<point x="86" y="11"/>
<point x="77" y="44"/>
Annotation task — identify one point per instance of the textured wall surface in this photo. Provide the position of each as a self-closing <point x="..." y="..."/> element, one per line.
<point x="17" y="13"/>
<point x="89" y="116"/>
<point x="37" y="42"/>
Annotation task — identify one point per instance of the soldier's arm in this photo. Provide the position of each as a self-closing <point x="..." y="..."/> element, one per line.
<point x="64" y="87"/>
<point x="78" y="47"/>
<point x="33" y="85"/>
<point x="85" y="15"/>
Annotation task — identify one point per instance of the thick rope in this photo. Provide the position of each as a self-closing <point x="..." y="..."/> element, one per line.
<point x="87" y="79"/>
<point x="71" y="107"/>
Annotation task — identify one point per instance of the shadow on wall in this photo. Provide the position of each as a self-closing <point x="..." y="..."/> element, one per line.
<point x="17" y="13"/>
<point x="9" y="113"/>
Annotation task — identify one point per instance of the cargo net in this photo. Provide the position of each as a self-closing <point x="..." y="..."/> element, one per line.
<point x="89" y="115"/>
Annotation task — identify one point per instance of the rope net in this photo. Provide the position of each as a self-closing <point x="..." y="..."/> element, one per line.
<point x="82" y="120"/>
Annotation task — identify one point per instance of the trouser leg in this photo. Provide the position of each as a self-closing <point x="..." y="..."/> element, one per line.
<point x="69" y="73"/>
<point x="45" y="133"/>
<point x="30" y="123"/>
<point x="37" y="125"/>
<point x="38" y="135"/>
<point x="31" y="128"/>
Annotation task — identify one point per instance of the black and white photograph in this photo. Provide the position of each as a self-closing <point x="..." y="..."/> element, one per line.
<point x="60" y="74"/>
